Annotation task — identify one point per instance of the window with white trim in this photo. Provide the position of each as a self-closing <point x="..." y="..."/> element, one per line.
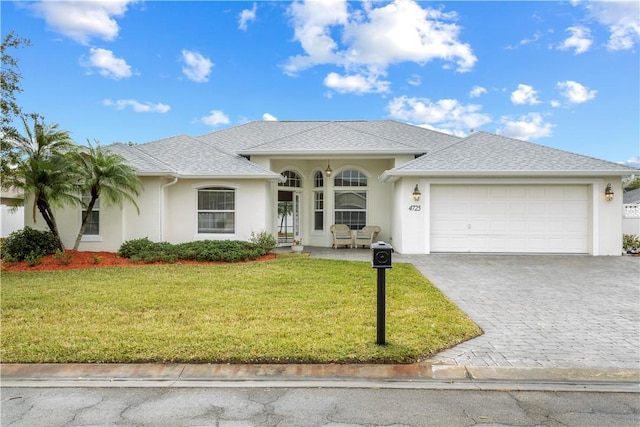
<point x="350" y="205"/>
<point x="216" y="210"/>
<point x="93" y="223"/>
<point x="293" y="180"/>
<point x="318" y="201"/>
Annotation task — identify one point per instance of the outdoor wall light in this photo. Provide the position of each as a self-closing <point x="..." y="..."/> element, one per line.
<point x="328" y="170"/>
<point x="416" y="194"/>
<point x="608" y="193"/>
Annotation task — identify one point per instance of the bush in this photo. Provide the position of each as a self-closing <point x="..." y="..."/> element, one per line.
<point x="144" y="250"/>
<point x="264" y="241"/>
<point x="134" y="247"/>
<point x="631" y="243"/>
<point x="29" y="244"/>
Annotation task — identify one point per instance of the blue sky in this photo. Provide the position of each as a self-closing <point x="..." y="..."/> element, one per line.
<point x="560" y="74"/>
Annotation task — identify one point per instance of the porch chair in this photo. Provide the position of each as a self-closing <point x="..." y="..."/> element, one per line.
<point x="341" y="235"/>
<point x="367" y="235"/>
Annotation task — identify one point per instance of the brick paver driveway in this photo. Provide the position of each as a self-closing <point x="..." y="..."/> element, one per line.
<point x="564" y="311"/>
<point x="542" y="311"/>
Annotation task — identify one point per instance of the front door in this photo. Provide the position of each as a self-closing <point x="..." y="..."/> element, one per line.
<point x="288" y="217"/>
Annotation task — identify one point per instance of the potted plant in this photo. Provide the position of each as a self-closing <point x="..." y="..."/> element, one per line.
<point x="297" y="245"/>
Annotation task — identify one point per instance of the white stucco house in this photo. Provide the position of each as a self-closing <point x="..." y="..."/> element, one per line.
<point x="482" y="193"/>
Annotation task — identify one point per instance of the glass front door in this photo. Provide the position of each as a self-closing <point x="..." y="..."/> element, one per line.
<point x="288" y="217"/>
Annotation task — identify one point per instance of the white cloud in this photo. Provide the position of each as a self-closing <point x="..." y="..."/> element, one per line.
<point x="372" y="39"/>
<point x="445" y="114"/>
<point x="633" y="162"/>
<point x="269" y="118"/>
<point x="576" y="93"/>
<point x="355" y="83"/>
<point x="525" y="94"/>
<point x="526" y="127"/>
<point x="622" y="18"/>
<point x="247" y="15"/>
<point x="197" y="67"/>
<point x="215" y="118"/>
<point x="580" y="40"/>
<point x="107" y="64"/>
<point x="477" y="91"/>
<point x="138" y="107"/>
<point x="415" y="80"/>
<point x="83" y="20"/>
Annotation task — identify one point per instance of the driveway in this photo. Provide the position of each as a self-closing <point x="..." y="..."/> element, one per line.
<point x="555" y="311"/>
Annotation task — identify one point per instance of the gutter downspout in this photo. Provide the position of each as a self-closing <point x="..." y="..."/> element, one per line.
<point x="162" y="188"/>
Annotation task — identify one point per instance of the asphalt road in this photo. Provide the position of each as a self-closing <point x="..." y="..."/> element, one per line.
<point x="150" y="406"/>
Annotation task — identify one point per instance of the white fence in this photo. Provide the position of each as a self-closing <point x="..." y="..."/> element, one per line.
<point x="631" y="219"/>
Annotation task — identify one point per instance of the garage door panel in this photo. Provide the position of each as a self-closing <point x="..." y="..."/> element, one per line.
<point x="509" y="218"/>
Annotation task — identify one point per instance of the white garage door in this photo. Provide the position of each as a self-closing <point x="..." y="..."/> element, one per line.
<point x="509" y="218"/>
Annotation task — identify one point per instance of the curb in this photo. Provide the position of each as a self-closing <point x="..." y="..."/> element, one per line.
<point x="319" y="375"/>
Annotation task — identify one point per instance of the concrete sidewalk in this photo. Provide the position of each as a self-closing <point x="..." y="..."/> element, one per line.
<point x="409" y="376"/>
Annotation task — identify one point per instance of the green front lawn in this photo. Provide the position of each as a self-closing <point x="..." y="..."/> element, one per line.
<point x="292" y="309"/>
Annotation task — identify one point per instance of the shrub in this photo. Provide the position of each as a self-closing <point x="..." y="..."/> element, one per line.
<point x="133" y="247"/>
<point x="63" y="258"/>
<point x="33" y="259"/>
<point x="143" y="250"/>
<point x="631" y="243"/>
<point x="264" y="241"/>
<point x="29" y="243"/>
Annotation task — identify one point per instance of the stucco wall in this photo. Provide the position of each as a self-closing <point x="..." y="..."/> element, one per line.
<point x="252" y="214"/>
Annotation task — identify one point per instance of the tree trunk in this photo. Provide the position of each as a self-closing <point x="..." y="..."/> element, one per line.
<point x="85" y="219"/>
<point x="47" y="214"/>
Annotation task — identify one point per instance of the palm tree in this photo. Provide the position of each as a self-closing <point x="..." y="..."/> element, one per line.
<point x="105" y="176"/>
<point x="43" y="170"/>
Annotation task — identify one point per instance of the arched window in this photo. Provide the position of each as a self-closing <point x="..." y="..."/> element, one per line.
<point x="350" y="205"/>
<point x="318" y="180"/>
<point x="293" y="179"/>
<point x="216" y="210"/>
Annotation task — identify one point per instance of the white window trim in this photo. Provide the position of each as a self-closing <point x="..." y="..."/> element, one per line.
<point x="214" y="236"/>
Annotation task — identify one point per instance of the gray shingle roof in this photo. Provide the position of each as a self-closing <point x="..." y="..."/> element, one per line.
<point x="328" y="137"/>
<point x="484" y="153"/>
<point x="631" y="196"/>
<point x="217" y="154"/>
<point x="186" y="156"/>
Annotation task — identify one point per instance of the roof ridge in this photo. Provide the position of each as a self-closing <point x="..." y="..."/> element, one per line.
<point x="138" y="149"/>
<point x="321" y="124"/>
<point x="396" y="141"/>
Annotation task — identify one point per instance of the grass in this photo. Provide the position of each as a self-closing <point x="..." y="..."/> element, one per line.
<point x="292" y="309"/>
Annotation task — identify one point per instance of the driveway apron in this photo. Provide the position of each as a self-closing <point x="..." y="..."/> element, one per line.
<point x="553" y="311"/>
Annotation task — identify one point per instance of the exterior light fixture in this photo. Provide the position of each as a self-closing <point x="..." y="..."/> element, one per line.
<point x="416" y="194"/>
<point x="328" y="170"/>
<point x="608" y="193"/>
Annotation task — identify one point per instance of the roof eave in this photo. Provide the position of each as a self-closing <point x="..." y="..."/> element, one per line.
<point x="392" y="175"/>
<point x="325" y="153"/>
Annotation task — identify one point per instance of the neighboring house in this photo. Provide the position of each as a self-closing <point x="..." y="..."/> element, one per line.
<point x="11" y="212"/>
<point x="631" y="212"/>
<point x="482" y="193"/>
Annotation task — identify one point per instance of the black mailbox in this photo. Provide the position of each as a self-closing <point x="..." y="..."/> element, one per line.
<point x="381" y="255"/>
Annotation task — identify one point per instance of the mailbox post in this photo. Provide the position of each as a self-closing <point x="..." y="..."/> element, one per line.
<point x="381" y="260"/>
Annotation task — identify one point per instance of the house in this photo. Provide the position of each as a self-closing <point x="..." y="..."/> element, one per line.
<point x="428" y="191"/>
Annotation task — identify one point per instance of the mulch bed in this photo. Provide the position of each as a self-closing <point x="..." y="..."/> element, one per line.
<point x="84" y="260"/>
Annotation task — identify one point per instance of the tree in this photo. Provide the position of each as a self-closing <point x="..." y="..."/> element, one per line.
<point x="43" y="168"/>
<point x="105" y="176"/>
<point x="9" y="109"/>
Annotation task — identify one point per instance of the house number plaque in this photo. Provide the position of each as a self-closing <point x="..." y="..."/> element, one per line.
<point x="415" y="208"/>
